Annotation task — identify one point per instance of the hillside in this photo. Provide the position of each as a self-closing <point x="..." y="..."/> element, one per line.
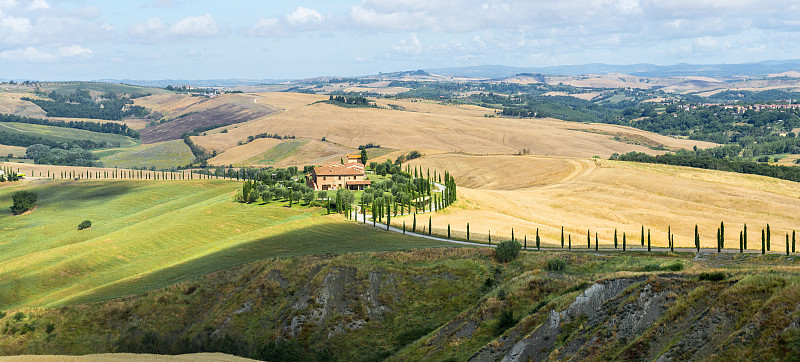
<point x="527" y="193"/>
<point x="446" y="304"/>
<point x="150" y="234"/>
<point x="424" y="125"/>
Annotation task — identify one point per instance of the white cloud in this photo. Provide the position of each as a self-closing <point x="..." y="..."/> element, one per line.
<point x="410" y="45"/>
<point x="73" y="51"/>
<point x="38" y="5"/>
<point x="300" y="20"/>
<point x="304" y="16"/>
<point x="192" y="27"/>
<point x="28" y="54"/>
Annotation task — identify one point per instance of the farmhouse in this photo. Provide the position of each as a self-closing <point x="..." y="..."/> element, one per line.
<point x="354" y="159"/>
<point x="335" y="176"/>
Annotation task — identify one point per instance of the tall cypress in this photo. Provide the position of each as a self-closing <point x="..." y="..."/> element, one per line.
<point x="430" y="225"/>
<point x="718" y="241"/>
<point x="769" y="237"/>
<point x="762" y="241"/>
<point x="722" y="234"/>
<point x="793" y="240"/>
<point x="570" y="242"/>
<point x="414" y="223"/>
<point x="741" y="243"/>
<point x="562" y="237"/>
<point x="526" y="241"/>
<point x="537" y="240"/>
<point x="448" y="231"/>
<point x="696" y="238"/>
<point x="642" y="235"/>
<point x="467" y="231"/>
<point x="787" y="244"/>
<point x="512" y="234"/>
<point x="595" y="241"/>
<point x="648" y="240"/>
<point x="588" y="240"/>
<point x="615" y="238"/>
<point x="623" y="241"/>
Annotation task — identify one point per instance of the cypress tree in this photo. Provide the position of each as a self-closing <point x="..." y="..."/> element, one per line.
<point x="722" y="235"/>
<point x="562" y="237"/>
<point x="512" y="234"/>
<point x="537" y="240"/>
<point x="793" y="240"/>
<point x="570" y="242"/>
<point x="762" y="241"/>
<point x="526" y="241"/>
<point x="696" y="238"/>
<point x="741" y="243"/>
<point x="642" y="235"/>
<point x="414" y="224"/>
<point x="588" y="240"/>
<point x="448" y="231"/>
<point x="669" y="236"/>
<point x="623" y="241"/>
<point x="648" y="240"/>
<point x="490" y="237"/>
<point x="615" y="238"/>
<point x="430" y="224"/>
<point x="595" y="241"/>
<point x="718" y="241"/>
<point x="467" y="231"/>
<point x="787" y="244"/>
<point x="769" y="237"/>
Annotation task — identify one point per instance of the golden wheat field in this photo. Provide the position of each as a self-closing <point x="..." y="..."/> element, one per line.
<point x="499" y="193"/>
<point x="425" y="125"/>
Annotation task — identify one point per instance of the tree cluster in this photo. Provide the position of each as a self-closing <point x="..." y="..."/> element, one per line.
<point x="107" y="127"/>
<point x="80" y="104"/>
<point x="24" y="140"/>
<point x="75" y="156"/>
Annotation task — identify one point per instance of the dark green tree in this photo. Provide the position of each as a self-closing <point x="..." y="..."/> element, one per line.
<point x="562" y="237"/>
<point x="697" y="238"/>
<point x="588" y="239"/>
<point x="744" y="237"/>
<point x="763" y="242"/>
<point x="769" y="237"/>
<point x="537" y="240"/>
<point x="467" y="231"/>
<point x="623" y="241"/>
<point x="615" y="238"/>
<point x="648" y="240"/>
<point x="642" y="235"/>
<point x="23" y="201"/>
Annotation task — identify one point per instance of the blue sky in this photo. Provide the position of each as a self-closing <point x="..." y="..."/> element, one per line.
<point x="184" y="39"/>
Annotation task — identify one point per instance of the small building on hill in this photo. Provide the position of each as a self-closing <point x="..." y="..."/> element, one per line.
<point x="355" y="159"/>
<point x="336" y="176"/>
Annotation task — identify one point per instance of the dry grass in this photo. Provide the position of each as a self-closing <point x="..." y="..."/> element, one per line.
<point x="425" y="125"/>
<point x="529" y="192"/>
<point x="14" y="150"/>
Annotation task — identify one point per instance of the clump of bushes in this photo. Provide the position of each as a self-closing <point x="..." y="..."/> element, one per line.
<point x="507" y="251"/>
<point x="505" y="321"/>
<point x="676" y="266"/>
<point x="23" y="201"/>
<point x="556" y="265"/>
<point x="85" y="224"/>
<point x="713" y="276"/>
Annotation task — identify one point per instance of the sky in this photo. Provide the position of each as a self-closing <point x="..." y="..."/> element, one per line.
<point x="249" y="39"/>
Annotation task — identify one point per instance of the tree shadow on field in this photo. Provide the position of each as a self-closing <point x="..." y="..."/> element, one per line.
<point x="333" y="238"/>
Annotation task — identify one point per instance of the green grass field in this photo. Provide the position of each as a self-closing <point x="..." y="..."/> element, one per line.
<point x="277" y="153"/>
<point x="62" y="134"/>
<point x="163" y="155"/>
<point x="146" y="235"/>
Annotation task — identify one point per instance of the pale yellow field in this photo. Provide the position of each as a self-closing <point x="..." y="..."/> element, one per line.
<point x="437" y="127"/>
<point x="10" y="103"/>
<point x="528" y="192"/>
<point x="14" y="150"/>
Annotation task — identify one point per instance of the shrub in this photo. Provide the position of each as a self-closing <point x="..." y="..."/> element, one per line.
<point x="713" y="276"/>
<point x="23" y="201"/>
<point x="652" y="267"/>
<point x="505" y="320"/>
<point x="85" y="224"/>
<point x="50" y="328"/>
<point x="676" y="266"/>
<point x="556" y="264"/>
<point x="507" y="251"/>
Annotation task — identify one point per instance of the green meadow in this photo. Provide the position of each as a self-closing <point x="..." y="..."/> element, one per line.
<point x="162" y="155"/>
<point x="149" y="234"/>
<point x="62" y="134"/>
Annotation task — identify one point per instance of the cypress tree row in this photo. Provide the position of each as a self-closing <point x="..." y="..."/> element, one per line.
<point x="741" y="243"/>
<point x="744" y="237"/>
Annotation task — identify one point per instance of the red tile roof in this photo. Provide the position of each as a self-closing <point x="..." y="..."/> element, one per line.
<point x="352" y="169"/>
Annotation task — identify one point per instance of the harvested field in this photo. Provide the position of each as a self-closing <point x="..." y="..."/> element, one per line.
<point x="425" y="125"/>
<point x="12" y="150"/>
<point x="264" y="152"/>
<point x="528" y="192"/>
<point x="222" y="115"/>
